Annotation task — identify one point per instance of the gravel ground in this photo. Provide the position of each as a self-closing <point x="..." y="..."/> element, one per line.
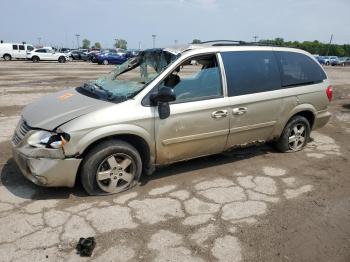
<point x="247" y="205"/>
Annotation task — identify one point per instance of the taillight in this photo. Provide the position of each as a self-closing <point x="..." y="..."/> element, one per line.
<point x="329" y="92"/>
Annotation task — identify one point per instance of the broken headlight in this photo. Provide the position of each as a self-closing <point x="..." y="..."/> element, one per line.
<point x="45" y="139"/>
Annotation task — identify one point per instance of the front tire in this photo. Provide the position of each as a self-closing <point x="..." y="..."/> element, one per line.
<point x="111" y="167"/>
<point x="295" y="135"/>
<point x="105" y="62"/>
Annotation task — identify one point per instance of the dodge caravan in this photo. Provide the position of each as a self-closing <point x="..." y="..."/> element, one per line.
<point x="169" y="105"/>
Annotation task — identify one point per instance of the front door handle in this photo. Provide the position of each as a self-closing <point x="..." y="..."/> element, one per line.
<point x="239" y="110"/>
<point x="219" y="114"/>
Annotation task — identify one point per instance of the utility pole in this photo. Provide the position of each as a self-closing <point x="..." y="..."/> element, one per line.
<point x="255" y="37"/>
<point x="139" y="45"/>
<point x="154" y="40"/>
<point x="175" y="42"/>
<point x="77" y="36"/>
<point x="115" y="44"/>
<point x="329" y="46"/>
<point x="39" y="41"/>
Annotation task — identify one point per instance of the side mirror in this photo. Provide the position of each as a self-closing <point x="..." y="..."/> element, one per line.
<point x="164" y="95"/>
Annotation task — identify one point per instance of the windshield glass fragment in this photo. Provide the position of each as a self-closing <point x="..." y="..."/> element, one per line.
<point x="129" y="78"/>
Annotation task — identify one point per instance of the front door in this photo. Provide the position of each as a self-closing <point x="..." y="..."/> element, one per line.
<point x="198" y="123"/>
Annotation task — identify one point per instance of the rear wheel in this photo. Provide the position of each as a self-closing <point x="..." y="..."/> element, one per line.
<point x="111" y="167"/>
<point x="7" y="57"/>
<point x="61" y="59"/>
<point x="105" y="62"/>
<point x="35" y="59"/>
<point x="295" y="135"/>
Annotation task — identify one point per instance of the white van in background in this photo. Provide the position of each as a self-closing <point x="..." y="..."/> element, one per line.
<point x="9" y="51"/>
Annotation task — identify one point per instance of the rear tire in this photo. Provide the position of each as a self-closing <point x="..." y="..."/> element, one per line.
<point x="105" y="62"/>
<point x="111" y="167"/>
<point x="61" y="59"/>
<point x="35" y="59"/>
<point x="295" y="135"/>
<point x="7" y="57"/>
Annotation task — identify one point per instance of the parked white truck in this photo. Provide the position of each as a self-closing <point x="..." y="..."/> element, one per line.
<point x="9" y="51"/>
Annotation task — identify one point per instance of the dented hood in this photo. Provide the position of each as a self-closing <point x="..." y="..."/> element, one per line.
<point x="56" y="109"/>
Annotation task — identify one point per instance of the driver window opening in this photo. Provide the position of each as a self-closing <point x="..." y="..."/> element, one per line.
<point x="197" y="78"/>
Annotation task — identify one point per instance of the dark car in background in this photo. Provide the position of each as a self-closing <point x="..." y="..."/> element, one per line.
<point x="91" y="56"/>
<point x="65" y="50"/>
<point x="132" y="53"/>
<point x="78" y="55"/>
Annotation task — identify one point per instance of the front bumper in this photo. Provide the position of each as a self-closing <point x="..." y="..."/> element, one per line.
<point x="43" y="166"/>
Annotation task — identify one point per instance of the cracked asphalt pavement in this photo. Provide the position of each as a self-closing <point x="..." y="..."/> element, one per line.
<point x="254" y="204"/>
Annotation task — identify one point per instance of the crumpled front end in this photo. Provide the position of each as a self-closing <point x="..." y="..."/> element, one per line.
<point x="43" y="166"/>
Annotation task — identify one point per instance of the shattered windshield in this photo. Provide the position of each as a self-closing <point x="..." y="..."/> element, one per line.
<point x="129" y="78"/>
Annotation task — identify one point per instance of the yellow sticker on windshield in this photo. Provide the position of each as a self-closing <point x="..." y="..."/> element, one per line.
<point x="65" y="96"/>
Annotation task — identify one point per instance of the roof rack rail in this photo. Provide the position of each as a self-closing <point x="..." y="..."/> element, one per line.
<point x="234" y="43"/>
<point x="215" y="42"/>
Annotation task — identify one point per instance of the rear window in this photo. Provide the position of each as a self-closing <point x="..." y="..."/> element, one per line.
<point x="250" y="72"/>
<point x="298" y="69"/>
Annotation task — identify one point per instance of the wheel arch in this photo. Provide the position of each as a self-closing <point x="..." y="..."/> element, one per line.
<point x="3" y="56"/>
<point x="137" y="138"/>
<point x="306" y="110"/>
<point x="136" y="141"/>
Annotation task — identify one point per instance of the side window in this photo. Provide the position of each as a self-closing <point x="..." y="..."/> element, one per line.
<point x="249" y="72"/>
<point x="298" y="69"/>
<point x="29" y="48"/>
<point x="15" y="47"/>
<point x="21" y="47"/>
<point x="195" y="79"/>
<point x="40" y="51"/>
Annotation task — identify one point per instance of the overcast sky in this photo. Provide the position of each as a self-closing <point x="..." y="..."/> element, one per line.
<point x="56" y="22"/>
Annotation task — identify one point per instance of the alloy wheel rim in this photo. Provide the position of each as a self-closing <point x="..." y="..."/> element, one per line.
<point x="115" y="173"/>
<point x="297" y="137"/>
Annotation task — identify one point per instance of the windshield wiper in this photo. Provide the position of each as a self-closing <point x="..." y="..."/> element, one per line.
<point x="102" y="92"/>
<point x="109" y="94"/>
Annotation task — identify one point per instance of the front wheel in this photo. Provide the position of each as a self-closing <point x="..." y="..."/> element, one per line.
<point x="295" y="135"/>
<point x="111" y="167"/>
<point x="105" y="62"/>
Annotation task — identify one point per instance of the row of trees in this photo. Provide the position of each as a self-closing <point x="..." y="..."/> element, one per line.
<point x="87" y="43"/>
<point x="119" y="43"/>
<point x="313" y="47"/>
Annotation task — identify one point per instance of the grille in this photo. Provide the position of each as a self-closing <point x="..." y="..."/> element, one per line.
<point x="20" y="132"/>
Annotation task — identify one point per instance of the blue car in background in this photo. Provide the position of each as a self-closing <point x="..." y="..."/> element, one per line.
<point x="114" y="58"/>
<point x="321" y="60"/>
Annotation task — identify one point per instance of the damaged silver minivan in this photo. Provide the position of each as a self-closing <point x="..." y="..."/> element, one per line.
<point x="169" y="105"/>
